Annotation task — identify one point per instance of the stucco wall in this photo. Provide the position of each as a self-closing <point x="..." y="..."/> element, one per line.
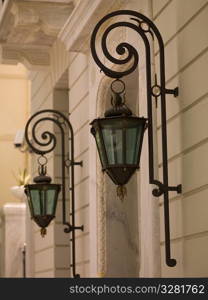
<point x="14" y="95"/>
<point x="79" y="117"/>
<point x="183" y="25"/>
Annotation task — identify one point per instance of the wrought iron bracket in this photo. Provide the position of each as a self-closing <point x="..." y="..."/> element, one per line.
<point x="46" y="145"/>
<point x="148" y="32"/>
<point x="69" y="163"/>
<point x="71" y="228"/>
<point x="177" y="188"/>
<point x="78" y="163"/>
<point x="174" y="91"/>
<point x="157" y="192"/>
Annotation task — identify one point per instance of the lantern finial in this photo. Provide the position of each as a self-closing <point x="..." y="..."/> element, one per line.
<point x="121" y="192"/>
<point x="43" y="231"/>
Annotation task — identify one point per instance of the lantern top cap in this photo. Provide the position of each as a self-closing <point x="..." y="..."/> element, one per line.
<point x="130" y="117"/>
<point x="42" y="179"/>
<point x="121" y="110"/>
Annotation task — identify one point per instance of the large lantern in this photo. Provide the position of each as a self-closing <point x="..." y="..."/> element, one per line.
<point x="119" y="138"/>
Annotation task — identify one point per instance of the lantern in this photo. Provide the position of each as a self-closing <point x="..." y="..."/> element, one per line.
<point x="119" y="138"/>
<point x="42" y="200"/>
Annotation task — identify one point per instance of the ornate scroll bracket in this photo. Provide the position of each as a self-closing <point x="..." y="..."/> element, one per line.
<point x="46" y="143"/>
<point x="145" y="29"/>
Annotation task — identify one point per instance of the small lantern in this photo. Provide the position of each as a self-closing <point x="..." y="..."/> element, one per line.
<point x="119" y="138"/>
<point x="42" y="195"/>
<point x="42" y="199"/>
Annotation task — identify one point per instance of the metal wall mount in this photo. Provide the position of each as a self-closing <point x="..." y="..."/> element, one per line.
<point x="156" y="90"/>
<point x="46" y="143"/>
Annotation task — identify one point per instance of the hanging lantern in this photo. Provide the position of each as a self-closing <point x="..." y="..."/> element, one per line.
<point x="42" y="199"/>
<point x="119" y="137"/>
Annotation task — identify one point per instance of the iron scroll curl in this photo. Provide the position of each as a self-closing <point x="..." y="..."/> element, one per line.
<point x="144" y="26"/>
<point x="48" y="138"/>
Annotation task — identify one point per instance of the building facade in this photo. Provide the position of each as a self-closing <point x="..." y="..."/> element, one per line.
<point x="120" y="238"/>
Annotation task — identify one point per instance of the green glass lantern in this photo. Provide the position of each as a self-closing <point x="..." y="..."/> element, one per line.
<point x="42" y="200"/>
<point x="119" y="138"/>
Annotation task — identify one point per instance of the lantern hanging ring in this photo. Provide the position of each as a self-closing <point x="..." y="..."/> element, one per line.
<point x="123" y="87"/>
<point x="42" y="160"/>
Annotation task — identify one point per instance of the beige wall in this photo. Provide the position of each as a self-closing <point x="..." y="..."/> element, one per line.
<point x="79" y="117"/>
<point x="14" y="96"/>
<point x="183" y="25"/>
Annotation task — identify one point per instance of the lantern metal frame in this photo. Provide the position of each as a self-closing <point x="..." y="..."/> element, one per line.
<point x="147" y="30"/>
<point x="119" y="172"/>
<point x="49" y="141"/>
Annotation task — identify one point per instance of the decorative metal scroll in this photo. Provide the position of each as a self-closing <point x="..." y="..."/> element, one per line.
<point x="45" y="144"/>
<point x="146" y="30"/>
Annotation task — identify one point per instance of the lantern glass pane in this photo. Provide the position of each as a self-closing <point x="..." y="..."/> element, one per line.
<point x="100" y="148"/>
<point x="43" y="200"/>
<point x="36" y="201"/>
<point x="133" y="140"/>
<point x="51" y="201"/>
<point x="113" y="144"/>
